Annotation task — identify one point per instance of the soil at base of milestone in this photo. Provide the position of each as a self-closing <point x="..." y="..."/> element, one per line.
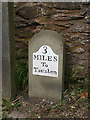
<point x="41" y="107"/>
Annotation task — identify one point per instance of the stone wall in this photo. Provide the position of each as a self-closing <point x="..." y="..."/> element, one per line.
<point x="69" y="19"/>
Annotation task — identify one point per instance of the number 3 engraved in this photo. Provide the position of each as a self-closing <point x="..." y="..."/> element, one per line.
<point x="45" y="50"/>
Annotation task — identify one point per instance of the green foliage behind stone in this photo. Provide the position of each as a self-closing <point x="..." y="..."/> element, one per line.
<point x="21" y="70"/>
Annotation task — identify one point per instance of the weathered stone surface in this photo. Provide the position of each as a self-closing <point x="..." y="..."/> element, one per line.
<point x="70" y="16"/>
<point x="0" y="60"/>
<point x="67" y="5"/>
<point x="45" y="85"/>
<point x="27" y="12"/>
<point x="76" y="17"/>
<point x="70" y="19"/>
<point x="42" y="20"/>
<point x="83" y="11"/>
<point x="8" y="55"/>
<point x="63" y="24"/>
<point x="24" y="32"/>
<point x="79" y="28"/>
<point x="15" y="114"/>
<point x="32" y="11"/>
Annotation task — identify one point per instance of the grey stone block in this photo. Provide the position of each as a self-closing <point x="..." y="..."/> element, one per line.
<point x="8" y="56"/>
<point x="44" y="85"/>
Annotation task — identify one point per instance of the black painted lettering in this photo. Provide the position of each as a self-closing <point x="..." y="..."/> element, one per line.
<point x="36" y="57"/>
<point x="40" y="57"/>
<point x="43" y="57"/>
<point x="45" y="50"/>
<point x="44" y="64"/>
<point x="55" y="58"/>
<point x="35" y="68"/>
<point x="49" y="58"/>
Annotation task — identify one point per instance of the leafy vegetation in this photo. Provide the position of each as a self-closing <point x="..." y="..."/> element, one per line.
<point x="32" y="112"/>
<point x="21" y="75"/>
<point x="21" y="71"/>
<point x="77" y="92"/>
<point x="9" y="106"/>
<point x="81" y="100"/>
<point x="80" y="89"/>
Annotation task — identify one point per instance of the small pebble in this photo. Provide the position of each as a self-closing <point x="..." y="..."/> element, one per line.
<point x="42" y="106"/>
<point x="43" y="100"/>
<point x="39" y="116"/>
<point x="51" y="103"/>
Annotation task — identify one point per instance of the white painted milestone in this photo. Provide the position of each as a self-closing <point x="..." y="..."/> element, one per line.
<point x="45" y="62"/>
